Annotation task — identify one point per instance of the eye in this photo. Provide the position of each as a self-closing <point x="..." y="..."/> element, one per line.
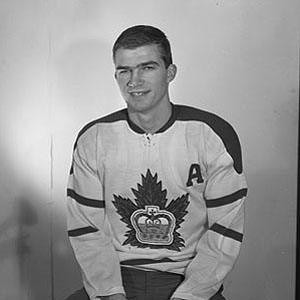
<point x="148" y="68"/>
<point x="122" y="72"/>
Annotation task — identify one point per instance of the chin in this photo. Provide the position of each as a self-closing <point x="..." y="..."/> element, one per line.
<point x="138" y="105"/>
<point x="138" y="108"/>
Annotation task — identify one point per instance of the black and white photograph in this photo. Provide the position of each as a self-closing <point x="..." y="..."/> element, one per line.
<point x="149" y="150"/>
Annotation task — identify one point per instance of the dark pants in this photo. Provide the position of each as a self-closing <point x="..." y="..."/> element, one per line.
<point x="145" y="285"/>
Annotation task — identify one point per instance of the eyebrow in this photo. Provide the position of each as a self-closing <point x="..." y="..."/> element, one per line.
<point x="150" y="62"/>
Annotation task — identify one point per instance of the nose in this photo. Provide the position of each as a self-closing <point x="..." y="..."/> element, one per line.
<point x="135" y="78"/>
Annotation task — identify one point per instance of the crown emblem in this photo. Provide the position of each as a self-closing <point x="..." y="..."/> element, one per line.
<point x="152" y="220"/>
<point x="153" y="226"/>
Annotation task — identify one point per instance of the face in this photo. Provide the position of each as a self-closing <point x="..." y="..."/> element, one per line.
<point x="143" y="78"/>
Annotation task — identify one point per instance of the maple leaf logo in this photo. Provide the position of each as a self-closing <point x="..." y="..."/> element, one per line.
<point x="150" y="221"/>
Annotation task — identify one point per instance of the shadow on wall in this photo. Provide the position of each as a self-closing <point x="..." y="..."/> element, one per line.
<point x="66" y="273"/>
<point x="31" y="225"/>
<point x="25" y="271"/>
<point x="32" y="266"/>
<point x="27" y="217"/>
<point x="14" y="230"/>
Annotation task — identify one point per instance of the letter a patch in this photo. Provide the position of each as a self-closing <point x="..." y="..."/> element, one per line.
<point x="194" y="173"/>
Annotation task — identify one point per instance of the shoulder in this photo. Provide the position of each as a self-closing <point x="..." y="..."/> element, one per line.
<point x="91" y="127"/>
<point x="189" y="113"/>
<point x="217" y="125"/>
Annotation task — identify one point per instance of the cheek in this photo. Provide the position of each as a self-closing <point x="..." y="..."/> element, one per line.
<point x="158" y="82"/>
<point x="121" y="84"/>
<point x="161" y="86"/>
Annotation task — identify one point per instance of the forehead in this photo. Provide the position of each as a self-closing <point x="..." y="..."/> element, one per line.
<point x="133" y="57"/>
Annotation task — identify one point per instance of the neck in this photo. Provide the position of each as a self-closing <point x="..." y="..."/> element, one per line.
<point x="152" y="121"/>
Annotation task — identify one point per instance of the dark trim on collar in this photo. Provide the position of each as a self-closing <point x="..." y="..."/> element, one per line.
<point x="123" y="115"/>
<point x="170" y="122"/>
<point x="133" y="126"/>
<point x="165" y="127"/>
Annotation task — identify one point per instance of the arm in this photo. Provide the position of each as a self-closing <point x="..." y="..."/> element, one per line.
<point x="88" y="228"/>
<point x="218" y="248"/>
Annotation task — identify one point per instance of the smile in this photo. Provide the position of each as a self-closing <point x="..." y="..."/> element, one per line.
<point x="138" y="93"/>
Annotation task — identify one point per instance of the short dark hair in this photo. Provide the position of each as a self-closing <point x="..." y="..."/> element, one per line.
<point x="141" y="35"/>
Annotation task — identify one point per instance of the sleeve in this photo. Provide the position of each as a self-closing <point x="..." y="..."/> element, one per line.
<point x="88" y="229"/>
<point x="225" y="192"/>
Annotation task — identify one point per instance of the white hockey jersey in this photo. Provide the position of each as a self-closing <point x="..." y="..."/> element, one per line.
<point x="172" y="201"/>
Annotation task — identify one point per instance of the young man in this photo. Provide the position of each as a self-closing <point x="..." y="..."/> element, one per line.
<point x="156" y="190"/>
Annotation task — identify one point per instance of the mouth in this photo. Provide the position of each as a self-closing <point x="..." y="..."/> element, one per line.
<point x="138" y="93"/>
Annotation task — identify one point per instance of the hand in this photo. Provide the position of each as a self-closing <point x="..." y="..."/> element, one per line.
<point x="114" y="297"/>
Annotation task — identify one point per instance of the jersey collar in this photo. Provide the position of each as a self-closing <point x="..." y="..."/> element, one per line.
<point x="165" y="127"/>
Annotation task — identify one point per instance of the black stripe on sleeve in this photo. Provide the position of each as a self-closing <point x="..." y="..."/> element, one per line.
<point x="227" y="199"/>
<point x="227" y="232"/>
<point x="85" y="201"/>
<point x="81" y="231"/>
<point x="71" y="170"/>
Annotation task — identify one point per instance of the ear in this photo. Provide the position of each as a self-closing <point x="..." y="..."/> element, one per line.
<point x="172" y="70"/>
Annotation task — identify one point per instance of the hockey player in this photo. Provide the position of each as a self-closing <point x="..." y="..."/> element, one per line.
<point x="156" y="191"/>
